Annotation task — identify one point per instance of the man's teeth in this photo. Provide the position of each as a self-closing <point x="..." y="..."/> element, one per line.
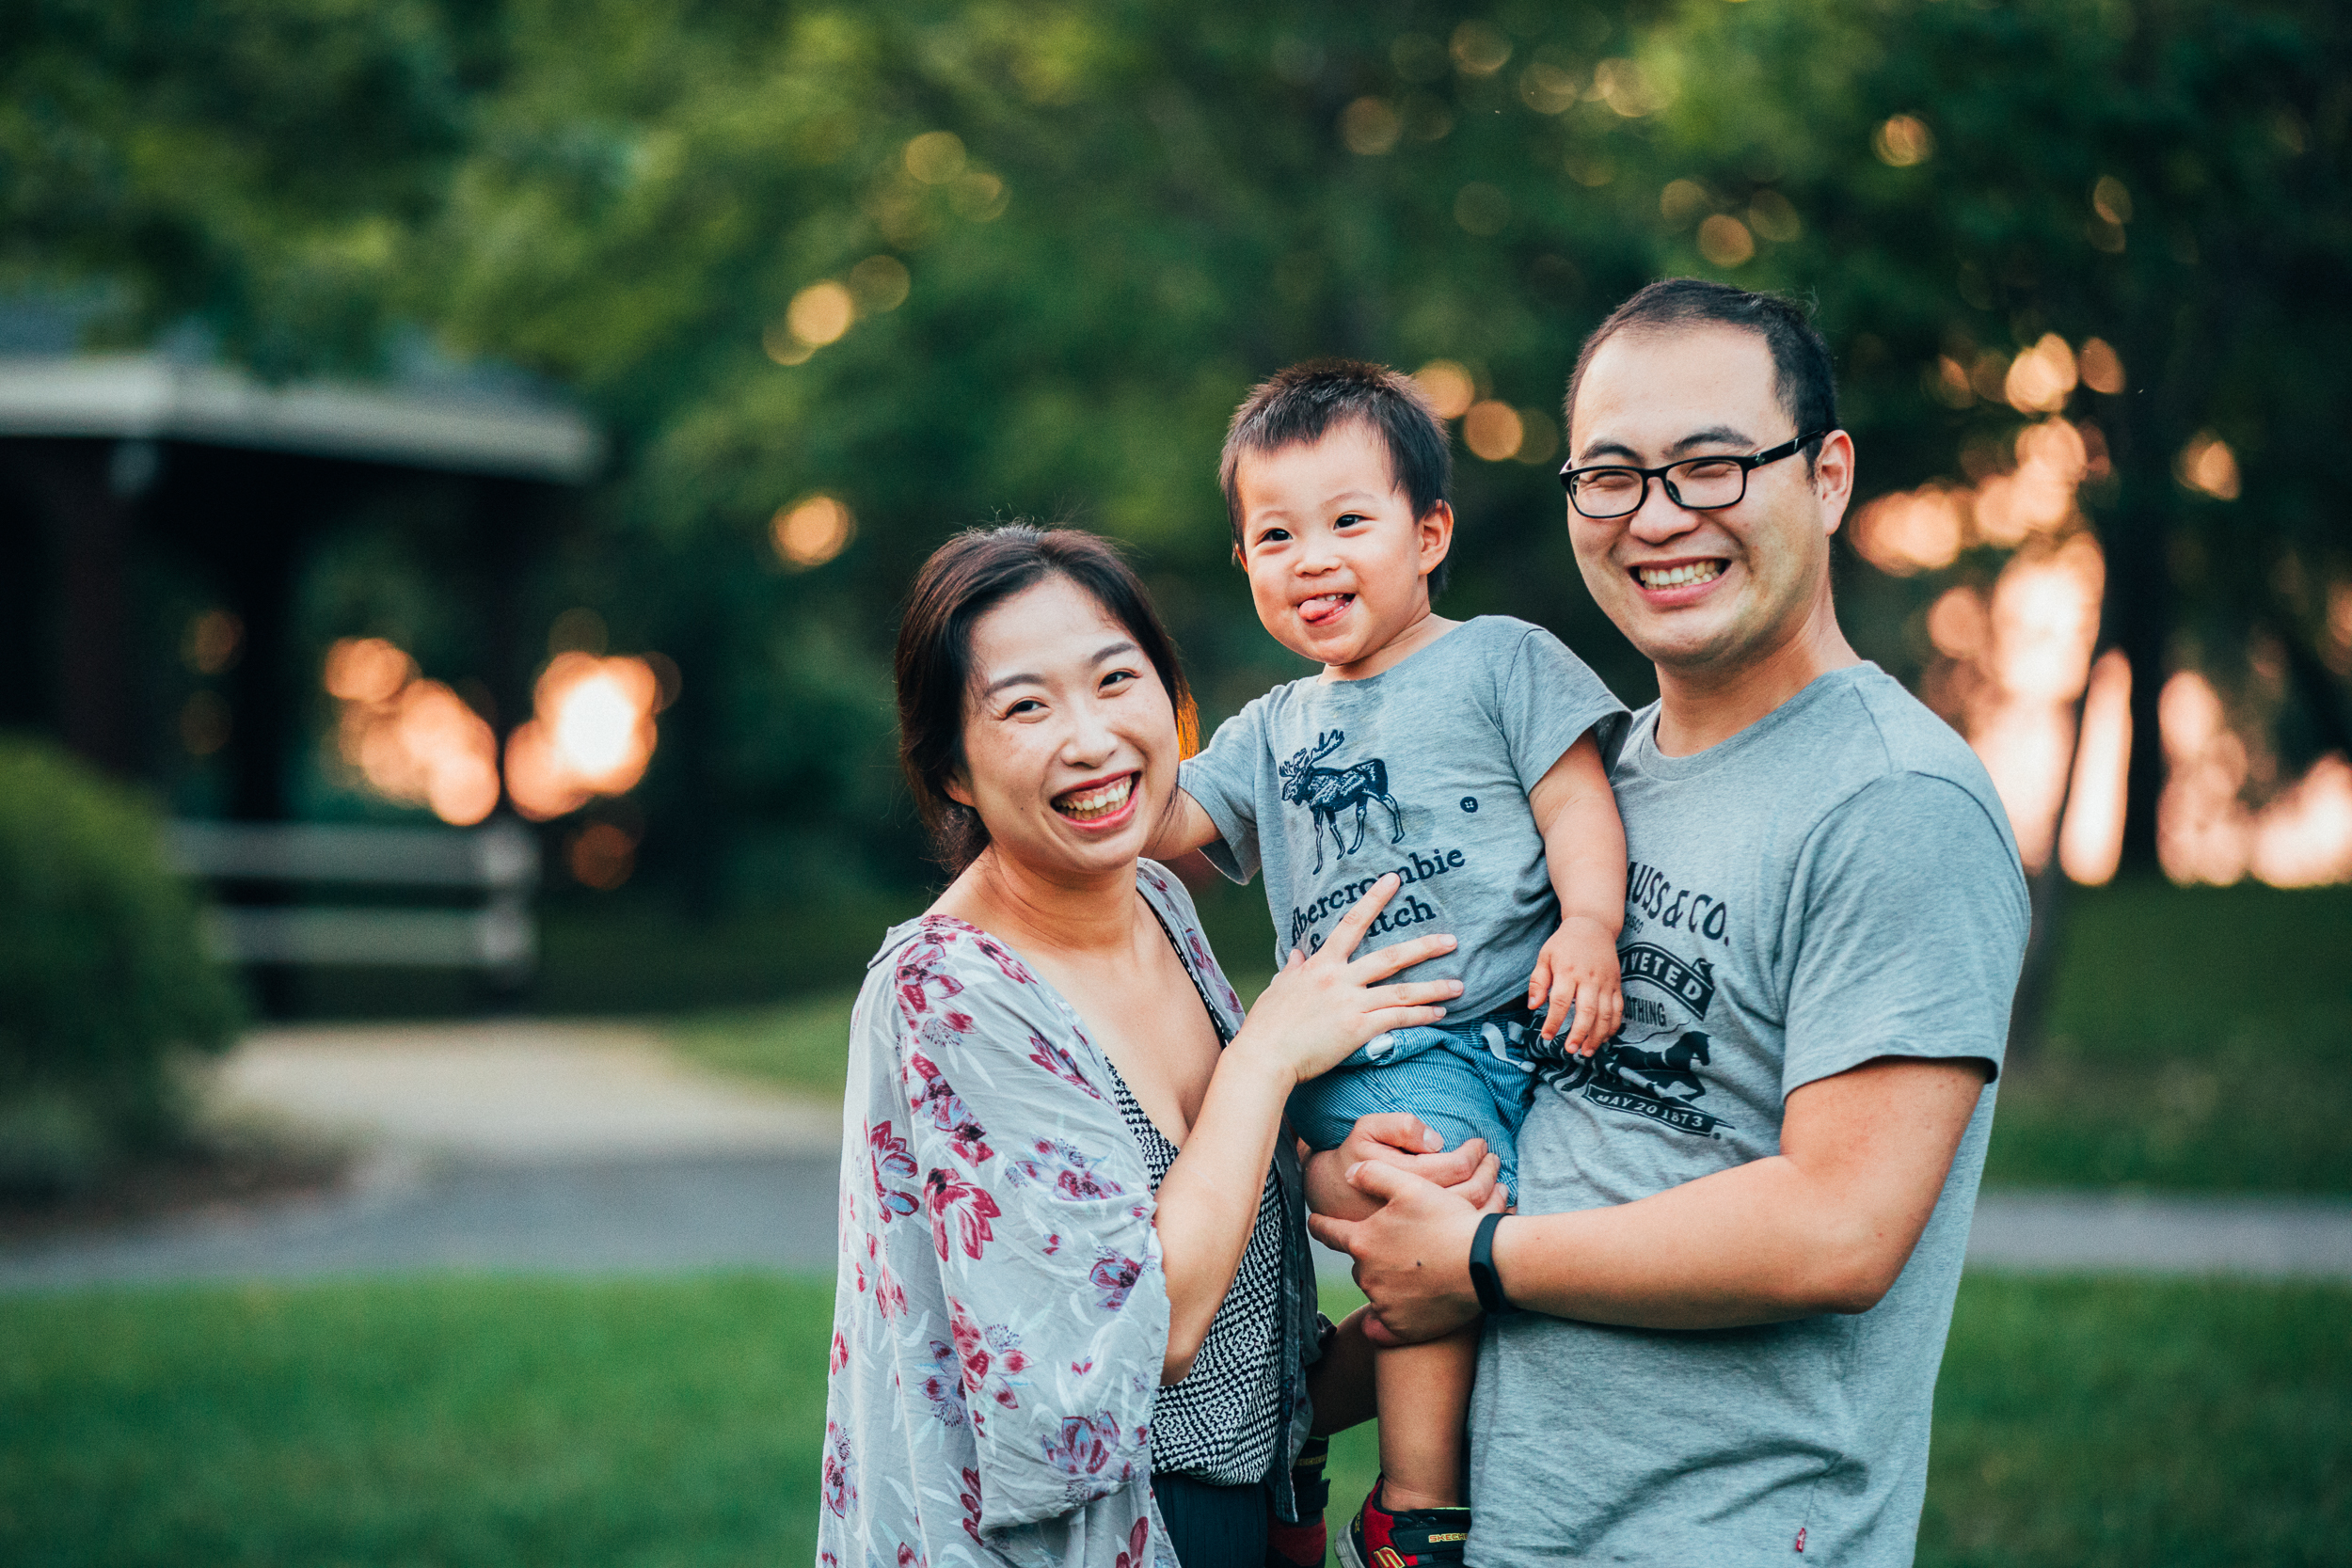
<point x="1087" y="804"/>
<point x="1679" y="577"/>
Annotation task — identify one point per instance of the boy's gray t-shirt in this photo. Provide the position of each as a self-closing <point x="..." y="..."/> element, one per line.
<point x="1836" y="882"/>
<point x="1422" y="769"/>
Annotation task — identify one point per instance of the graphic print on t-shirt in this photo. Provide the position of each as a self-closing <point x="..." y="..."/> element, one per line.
<point x="1325" y="792"/>
<point x="1650" y="1068"/>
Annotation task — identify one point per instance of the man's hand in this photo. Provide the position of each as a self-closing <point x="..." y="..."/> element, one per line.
<point x="1399" y="1139"/>
<point x="1413" y="1255"/>
<point x="1577" y="968"/>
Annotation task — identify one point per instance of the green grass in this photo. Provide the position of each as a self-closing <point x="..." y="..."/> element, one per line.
<point x="801" y="1045"/>
<point x="475" y="1422"/>
<point x="2111" y="1424"/>
<point x="2198" y="1038"/>
<point x="487" y="1422"/>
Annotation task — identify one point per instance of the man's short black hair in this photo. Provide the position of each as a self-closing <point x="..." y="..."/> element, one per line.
<point x="1299" y="405"/>
<point x="1801" y="365"/>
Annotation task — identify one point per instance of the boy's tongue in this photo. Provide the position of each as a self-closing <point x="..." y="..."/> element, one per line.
<point x="1324" y="608"/>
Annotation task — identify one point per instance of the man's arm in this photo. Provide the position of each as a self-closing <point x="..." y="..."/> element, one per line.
<point x="1576" y="812"/>
<point x="1825" y="1225"/>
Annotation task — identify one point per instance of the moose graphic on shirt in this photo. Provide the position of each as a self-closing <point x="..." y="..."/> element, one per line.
<point x="1325" y="792"/>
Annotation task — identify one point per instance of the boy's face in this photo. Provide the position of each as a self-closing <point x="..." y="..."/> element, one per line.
<point x="1338" y="566"/>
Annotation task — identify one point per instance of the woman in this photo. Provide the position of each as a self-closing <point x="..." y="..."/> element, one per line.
<point x="1063" y="1145"/>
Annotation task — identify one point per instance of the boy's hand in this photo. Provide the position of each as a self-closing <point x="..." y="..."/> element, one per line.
<point x="1578" y="969"/>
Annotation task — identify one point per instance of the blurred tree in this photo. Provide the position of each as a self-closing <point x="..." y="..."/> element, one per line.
<point x="948" y="262"/>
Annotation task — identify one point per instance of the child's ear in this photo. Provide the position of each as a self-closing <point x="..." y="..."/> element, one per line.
<point x="1437" y="537"/>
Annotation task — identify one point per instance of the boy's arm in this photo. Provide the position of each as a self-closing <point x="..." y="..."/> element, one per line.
<point x="1183" y="827"/>
<point x="1584" y="851"/>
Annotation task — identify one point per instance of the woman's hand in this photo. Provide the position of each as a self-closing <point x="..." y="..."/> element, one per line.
<point x="1319" y="1009"/>
<point x="1401" y="1139"/>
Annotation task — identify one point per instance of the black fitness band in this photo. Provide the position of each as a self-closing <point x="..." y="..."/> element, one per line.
<point x="1481" y="1270"/>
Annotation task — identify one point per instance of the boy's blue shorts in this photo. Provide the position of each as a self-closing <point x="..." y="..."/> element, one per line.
<point x="1471" y="1079"/>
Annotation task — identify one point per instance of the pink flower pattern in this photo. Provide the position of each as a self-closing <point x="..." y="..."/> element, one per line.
<point x="949" y="1114"/>
<point x="891" y="1159"/>
<point x="1001" y="1363"/>
<point x="1066" y="1171"/>
<point x="945" y="1192"/>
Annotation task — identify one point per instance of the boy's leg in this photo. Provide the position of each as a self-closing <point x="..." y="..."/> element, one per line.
<point x="1424" y="1400"/>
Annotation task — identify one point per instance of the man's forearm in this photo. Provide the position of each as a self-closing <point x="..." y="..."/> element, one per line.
<point x="1826" y="1225"/>
<point x="1747" y="1245"/>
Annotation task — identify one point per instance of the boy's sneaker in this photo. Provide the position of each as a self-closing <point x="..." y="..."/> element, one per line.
<point x="1417" y="1538"/>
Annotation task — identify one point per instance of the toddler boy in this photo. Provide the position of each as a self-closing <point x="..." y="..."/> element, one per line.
<point x="1464" y="756"/>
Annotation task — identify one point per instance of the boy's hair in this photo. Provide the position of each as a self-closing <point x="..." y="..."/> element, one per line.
<point x="1801" y="377"/>
<point x="1301" y="404"/>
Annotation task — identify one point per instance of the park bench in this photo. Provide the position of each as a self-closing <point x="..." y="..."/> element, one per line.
<point x="265" y="866"/>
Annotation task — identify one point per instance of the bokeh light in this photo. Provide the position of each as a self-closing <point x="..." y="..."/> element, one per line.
<point x="820" y="313"/>
<point x="810" y="532"/>
<point x="1903" y="140"/>
<point x="1493" y="430"/>
<point x="410" y="740"/>
<point x="2208" y="466"/>
<point x="591" y="733"/>
<point x="1450" y="388"/>
<point x="2206" y="833"/>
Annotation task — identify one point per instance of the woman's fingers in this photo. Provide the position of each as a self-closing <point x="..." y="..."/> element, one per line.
<point x="1412" y="993"/>
<point x="1401" y="956"/>
<point x="1402" y="1018"/>
<point x="1358" y="919"/>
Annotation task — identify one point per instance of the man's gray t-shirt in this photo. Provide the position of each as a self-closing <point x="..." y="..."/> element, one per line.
<point x="1423" y="770"/>
<point x="1834" y="883"/>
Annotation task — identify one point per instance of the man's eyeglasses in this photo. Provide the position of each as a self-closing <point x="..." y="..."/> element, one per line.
<point x="1698" y="484"/>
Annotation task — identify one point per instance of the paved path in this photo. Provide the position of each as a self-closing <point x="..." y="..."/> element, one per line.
<point x="589" y="1149"/>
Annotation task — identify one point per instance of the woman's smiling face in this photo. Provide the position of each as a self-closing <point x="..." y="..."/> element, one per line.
<point x="1070" y="746"/>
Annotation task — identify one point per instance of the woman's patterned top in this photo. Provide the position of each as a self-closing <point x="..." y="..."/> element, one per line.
<point x="1221" y="1424"/>
<point x="1000" y="1317"/>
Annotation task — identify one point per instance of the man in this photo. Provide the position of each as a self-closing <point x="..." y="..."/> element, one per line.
<point x="1726" y="1289"/>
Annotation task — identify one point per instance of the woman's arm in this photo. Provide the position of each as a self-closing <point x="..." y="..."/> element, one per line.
<point x="1315" y="1012"/>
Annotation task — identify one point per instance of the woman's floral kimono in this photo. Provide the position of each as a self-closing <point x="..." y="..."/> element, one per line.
<point x="1000" y="1318"/>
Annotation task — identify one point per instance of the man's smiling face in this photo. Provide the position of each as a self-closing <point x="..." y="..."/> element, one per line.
<point x="1717" y="590"/>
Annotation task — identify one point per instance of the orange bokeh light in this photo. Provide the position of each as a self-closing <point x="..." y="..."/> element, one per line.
<point x="411" y="741"/>
<point x="591" y="733"/>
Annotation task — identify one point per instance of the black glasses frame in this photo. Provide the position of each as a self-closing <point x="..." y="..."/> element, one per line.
<point x="1569" y="476"/>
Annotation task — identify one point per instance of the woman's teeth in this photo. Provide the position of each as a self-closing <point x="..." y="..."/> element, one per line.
<point x="1679" y="577"/>
<point x="1086" y="806"/>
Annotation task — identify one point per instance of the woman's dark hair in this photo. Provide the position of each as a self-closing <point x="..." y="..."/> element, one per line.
<point x="966" y="577"/>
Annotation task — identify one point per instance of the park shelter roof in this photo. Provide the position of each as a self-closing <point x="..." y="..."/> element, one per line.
<point x="151" y="397"/>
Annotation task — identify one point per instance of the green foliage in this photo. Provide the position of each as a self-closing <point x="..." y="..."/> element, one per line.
<point x="1110" y="219"/>
<point x="679" y="1422"/>
<point x="101" y="976"/>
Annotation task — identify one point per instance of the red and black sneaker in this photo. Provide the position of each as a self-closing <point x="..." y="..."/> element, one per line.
<point x="1417" y="1538"/>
